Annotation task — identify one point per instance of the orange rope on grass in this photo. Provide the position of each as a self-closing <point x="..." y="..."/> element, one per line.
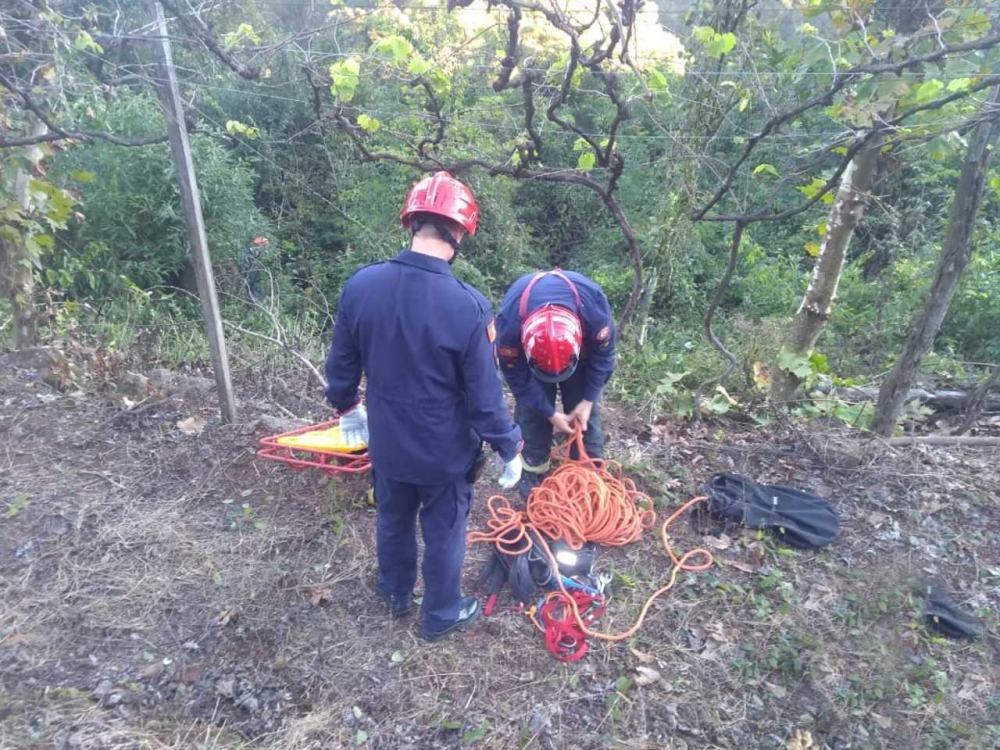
<point x="586" y="500"/>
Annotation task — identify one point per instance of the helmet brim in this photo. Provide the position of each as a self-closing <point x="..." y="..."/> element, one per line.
<point x="559" y="377"/>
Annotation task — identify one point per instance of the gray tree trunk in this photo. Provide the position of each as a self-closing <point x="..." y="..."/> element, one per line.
<point x="954" y="258"/>
<point x="17" y="270"/>
<point x="814" y="311"/>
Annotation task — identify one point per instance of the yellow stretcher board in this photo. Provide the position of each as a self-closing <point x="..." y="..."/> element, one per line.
<point x="329" y="439"/>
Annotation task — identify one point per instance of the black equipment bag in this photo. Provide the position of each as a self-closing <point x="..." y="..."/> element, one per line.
<point x="945" y="616"/>
<point x="798" y="518"/>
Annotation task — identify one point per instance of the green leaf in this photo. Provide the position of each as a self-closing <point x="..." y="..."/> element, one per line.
<point x="450" y="724"/>
<point x="395" y="48"/>
<point x="17" y="505"/>
<point x="244" y="32"/>
<point x="474" y="735"/>
<point x="234" y="127"/>
<point x="658" y="84"/>
<point x="439" y="82"/>
<point x="960" y="84"/>
<point x="797" y="364"/>
<point x="819" y="363"/>
<point x="813" y="188"/>
<point x="721" y="44"/>
<point x="995" y="185"/>
<point x="586" y="161"/>
<point x="927" y="91"/>
<point x="397" y="657"/>
<point x="703" y="34"/>
<point x="84" y="176"/>
<point x="766" y="169"/>
<point x="419" y="66"/>
<point x="743" y="104"/>
<point x="369" y="124"/>
<point x="361" y="737"/>
<point x="581" y="144"/>
<point x="812" y="249"/>
<point x="345" y="77"/>
<point x="85" y="43"/>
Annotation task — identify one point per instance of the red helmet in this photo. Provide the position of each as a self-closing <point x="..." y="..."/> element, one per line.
<point x="443" y="195"/>
<point x="551" y="338"/>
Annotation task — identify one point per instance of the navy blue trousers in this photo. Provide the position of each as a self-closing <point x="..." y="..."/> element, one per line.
<point x="537" y="431"/>
<point x="443" y="512"/>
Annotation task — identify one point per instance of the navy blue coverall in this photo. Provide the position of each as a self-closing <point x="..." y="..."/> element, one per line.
<point x="535" y="400"/>
<point x="425" y="342"/>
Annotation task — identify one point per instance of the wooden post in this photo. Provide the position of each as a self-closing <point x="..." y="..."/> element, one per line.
<point x="193" y="220"/>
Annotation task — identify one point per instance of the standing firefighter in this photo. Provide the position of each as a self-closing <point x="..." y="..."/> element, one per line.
<point x="425" y="342"/>
<point x="555" y="332"/>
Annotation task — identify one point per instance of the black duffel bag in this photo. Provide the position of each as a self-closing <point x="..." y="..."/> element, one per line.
<point x="798" y="518"/>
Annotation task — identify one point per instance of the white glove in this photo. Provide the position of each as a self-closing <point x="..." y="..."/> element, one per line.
<point x="511" y="472"/>
<point x="354" y="427"/>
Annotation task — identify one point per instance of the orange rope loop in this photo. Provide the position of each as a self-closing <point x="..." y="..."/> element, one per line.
<point x="586" y="500"/>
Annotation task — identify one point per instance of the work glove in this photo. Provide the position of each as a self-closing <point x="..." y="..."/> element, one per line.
<point x="354" y="427"/>
<point x="511" y="472"/>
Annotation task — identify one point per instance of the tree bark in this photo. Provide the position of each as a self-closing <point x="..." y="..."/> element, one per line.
<point x="17" y="269"/>
<point x="979" y="401"/>
<point x="18" y="287"/>
<point x="953" y="261"/>
<point x="814" y="311"/>
<point x="647" y="302"/>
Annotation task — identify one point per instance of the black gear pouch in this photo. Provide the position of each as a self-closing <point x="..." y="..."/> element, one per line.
<point x="476" y="470"/>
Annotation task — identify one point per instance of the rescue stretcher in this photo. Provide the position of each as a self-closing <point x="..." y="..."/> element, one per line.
<point x="317" y="446"/>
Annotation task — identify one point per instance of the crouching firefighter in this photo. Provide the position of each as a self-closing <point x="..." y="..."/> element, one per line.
<point x="425" y="342"/>
<point x="555" y="332"/>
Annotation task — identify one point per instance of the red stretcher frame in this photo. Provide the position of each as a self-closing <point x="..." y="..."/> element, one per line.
<point x="330" y="463"/>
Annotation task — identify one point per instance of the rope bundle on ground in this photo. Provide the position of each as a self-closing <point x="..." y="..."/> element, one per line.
<point x="585" y="500"/>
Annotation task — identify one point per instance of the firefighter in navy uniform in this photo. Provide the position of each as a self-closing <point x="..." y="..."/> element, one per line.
<point x="426" y="344"/>
<point x="555" y="333"/>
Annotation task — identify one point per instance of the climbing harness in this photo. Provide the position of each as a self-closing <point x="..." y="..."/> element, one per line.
<point x="584" y="500"/>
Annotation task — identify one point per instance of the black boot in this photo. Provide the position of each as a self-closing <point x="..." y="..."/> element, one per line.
<point x="399" y="606"/>
<point x="468" y="613"/>
<point x="529" y="481"/>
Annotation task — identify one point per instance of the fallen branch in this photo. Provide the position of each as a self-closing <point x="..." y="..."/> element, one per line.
<point x="302" y="358"/>
<point x="939" y="401"/>
<point x="982" y="442"/>
<point x="977" y="402"/>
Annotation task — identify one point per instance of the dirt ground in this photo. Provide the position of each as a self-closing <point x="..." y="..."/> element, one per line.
<point x="160" y="589"/>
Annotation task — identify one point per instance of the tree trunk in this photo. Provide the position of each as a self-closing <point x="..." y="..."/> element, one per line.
<point x="814" y="311"/>
<point x="954" y="258"/>
<point x="647" y="302"/>
<point x="978" y="402"/>
<point x="18" y="287"/>
<point x="17" y="271"/>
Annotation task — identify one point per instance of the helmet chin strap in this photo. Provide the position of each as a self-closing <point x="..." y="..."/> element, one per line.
<point x="441" y="226"/>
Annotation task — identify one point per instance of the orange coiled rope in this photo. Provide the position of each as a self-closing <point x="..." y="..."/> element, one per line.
<point x="586" y="500"/>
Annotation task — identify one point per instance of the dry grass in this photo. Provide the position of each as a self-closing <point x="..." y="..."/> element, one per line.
<point x="160" y="590"/>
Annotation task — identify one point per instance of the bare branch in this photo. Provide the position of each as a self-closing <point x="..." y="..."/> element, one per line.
<point x="713" y="305"/>
<point x="194" y="25"/>
<point x="840" y="81"/>
<point x="509" y="62"/>
<point x="434" y="107"/>
<point x="58" y="132"/>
